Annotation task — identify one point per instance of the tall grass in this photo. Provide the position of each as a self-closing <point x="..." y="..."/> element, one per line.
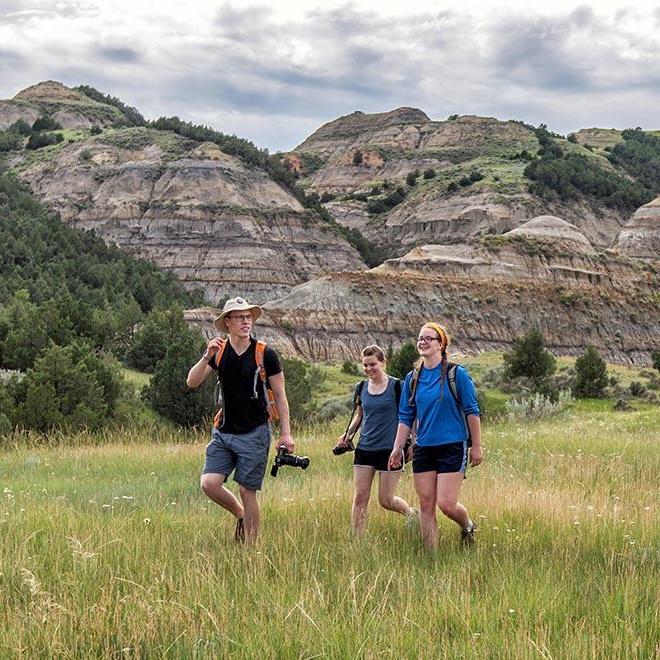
<point x="110" y="550"/>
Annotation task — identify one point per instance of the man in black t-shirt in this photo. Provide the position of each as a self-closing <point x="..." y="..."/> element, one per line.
<point x="241" y="440"/>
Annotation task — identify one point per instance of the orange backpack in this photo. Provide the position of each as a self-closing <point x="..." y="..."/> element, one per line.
<point x="259" y="374"/>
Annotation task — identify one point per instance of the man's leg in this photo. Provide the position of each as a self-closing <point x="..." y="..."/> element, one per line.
<point x="214" y="489"/>
<point x="251" y="513"/>
<point x="251" y="457"/>
<point x="363" y="476"/>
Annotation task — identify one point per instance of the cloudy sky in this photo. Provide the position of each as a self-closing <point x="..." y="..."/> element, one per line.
<point x="274" y="72"/>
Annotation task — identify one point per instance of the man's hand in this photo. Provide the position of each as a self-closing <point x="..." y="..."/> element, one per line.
<point x="212" y="348"/>
<point x="394" y="461"/>
<point x="286" y="440"/>
<point x="476" y="456"/>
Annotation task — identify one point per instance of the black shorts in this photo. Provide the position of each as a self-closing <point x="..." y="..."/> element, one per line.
<point x="376" y="459"/>
<point x="451" y="457"/>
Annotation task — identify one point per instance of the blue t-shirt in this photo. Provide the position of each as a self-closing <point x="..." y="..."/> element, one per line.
<point x="439" y="421"/>
<point x="380" y="417"/>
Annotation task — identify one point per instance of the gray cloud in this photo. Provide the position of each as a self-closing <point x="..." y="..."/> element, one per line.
<point x="118" y="53"/>
<point x="249" y="71"/>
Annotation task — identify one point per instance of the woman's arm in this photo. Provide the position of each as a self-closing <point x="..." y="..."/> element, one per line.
<point x="476" y="451"/>
<point x="402" y="433"/>
<point x="352" y="428"/>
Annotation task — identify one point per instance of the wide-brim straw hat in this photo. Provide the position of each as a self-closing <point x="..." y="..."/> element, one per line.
<point x="236" y="305"/>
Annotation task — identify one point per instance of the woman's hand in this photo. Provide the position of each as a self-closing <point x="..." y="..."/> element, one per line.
<point x="394" y="461"/>
<point x="342" y="441"/>
<point x="476" y="456"/>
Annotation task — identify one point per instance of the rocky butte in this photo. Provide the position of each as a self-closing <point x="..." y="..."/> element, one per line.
<point x="218" y="223"/>
<point x="445" y="210"/>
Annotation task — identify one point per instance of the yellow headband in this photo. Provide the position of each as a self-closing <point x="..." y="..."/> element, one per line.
<point x="442" y="333"/>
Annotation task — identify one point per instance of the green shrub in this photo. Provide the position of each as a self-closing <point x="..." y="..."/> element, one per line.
<point x="528" y="358"/>
<point x="167" y="392"/>
<point x="411" y="178"/>
<point x="350" y="367"/>
<point x="401" y="361"/>
<point x="590" y="375"/>
<point x="637" y="389"/>
<point x="153" y="338"/>
<point x="40" y="140"/>
<point x="655" y="356"/>
<point x="429" y="173"/>
<point x="46" y="124"/>
<point x="298" y="391"/>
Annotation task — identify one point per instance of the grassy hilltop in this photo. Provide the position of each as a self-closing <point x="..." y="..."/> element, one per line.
<point x="111" y="550"/>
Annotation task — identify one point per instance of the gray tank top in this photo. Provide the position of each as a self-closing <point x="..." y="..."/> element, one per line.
<point x="380" y="418"/>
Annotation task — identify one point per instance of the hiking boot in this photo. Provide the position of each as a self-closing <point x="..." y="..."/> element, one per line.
<point x="467" y="534"/>
<point x="239" y="531"/>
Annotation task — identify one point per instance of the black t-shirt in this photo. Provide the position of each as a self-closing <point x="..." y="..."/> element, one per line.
<point x="241" y="410"/>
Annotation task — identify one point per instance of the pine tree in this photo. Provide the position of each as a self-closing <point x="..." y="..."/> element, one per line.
<point x="590" y="374"/>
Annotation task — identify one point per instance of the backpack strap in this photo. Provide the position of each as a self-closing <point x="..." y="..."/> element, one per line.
<point x="453" y="388"/>
<point x="357" y="394"/>
<point x="260" y="373"/>
<point x="357" y="402"/>
<point x="220" y="353"/>
<point x="397" y="390"/>
<point x="413" y="385"/>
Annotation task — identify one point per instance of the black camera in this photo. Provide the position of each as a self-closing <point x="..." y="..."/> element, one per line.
<point x="338" y="450"/>
<point x="283" y="457"/>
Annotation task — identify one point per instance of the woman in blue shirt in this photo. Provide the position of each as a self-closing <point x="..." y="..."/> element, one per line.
<point x="440" y="455"/>
<point x="378" y="413"/>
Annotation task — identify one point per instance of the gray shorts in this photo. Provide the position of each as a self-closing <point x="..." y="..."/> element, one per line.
<point x="247" y="453"/>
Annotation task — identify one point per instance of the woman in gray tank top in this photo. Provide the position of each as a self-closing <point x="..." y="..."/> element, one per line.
<point x="378" y="412"/>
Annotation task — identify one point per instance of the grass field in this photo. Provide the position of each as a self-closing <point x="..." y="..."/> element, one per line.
<point x="110" y="550"/>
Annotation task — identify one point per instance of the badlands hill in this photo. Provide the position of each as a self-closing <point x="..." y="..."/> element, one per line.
<point x="353" y="159"/>
<point x="475" y="237"/>
<point x="220" y="224"/>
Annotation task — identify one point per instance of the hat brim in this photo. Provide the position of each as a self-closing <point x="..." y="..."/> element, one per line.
<point x="255" y="310"/>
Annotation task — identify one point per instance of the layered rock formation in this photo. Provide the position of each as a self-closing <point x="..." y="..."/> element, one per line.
<point x="488" y="292"/>
<point x="640" y="238"/>
<point x="69" y="108"/>
<point x="358" y="153"/>
<point x="192" y="209"/>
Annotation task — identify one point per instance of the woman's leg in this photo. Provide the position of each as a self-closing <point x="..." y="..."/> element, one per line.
<point x="363" y="476"/>
<point x="448" y="489"/>
<point x="387" y="483"/>
<point x="425" y="485"/>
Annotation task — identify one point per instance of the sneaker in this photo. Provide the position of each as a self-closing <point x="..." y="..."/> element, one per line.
<point x="239" y="531"/>
<point x="467" y="534"/>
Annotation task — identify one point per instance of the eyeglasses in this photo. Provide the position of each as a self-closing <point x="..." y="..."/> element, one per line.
<point x="426" y="340"/>
<point x="241" y="317"/>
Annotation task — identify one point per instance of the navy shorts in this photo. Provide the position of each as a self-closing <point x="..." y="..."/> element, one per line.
<point x="376" y="459"/>
<point x="451" y="457"/>
<point x="247" y="453"/>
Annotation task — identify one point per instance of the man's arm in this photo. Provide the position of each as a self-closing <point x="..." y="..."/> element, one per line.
<point x="200" y="370"/>
<point x="276" y="383"/>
